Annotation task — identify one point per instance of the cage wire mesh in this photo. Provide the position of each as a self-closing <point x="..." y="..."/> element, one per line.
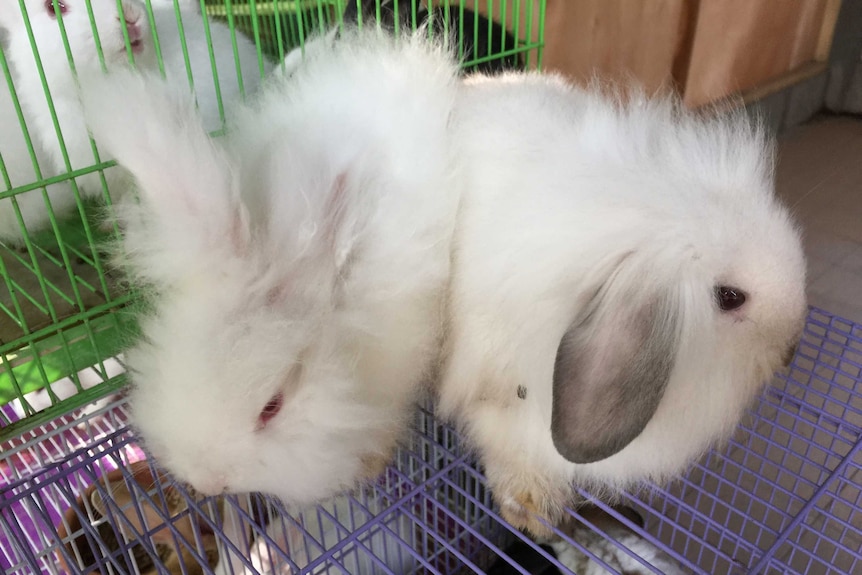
<point x="80" y="496"/>
<point x="784" y="496"/>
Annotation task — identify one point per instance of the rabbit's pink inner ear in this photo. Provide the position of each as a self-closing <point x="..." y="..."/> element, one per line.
<point x="335" y="209"/>
<point x="610" y="374"/>
<point x="277" y="294"/>
<point x="342" y="220"/>
<point x="282" y="286"/>
<point x="238" y="230"/>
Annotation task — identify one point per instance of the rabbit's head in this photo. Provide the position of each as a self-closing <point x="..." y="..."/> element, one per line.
<point x="91" y="27"/>
<point x="693" y="301"/>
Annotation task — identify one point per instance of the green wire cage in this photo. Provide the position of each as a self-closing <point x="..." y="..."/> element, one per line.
<point x="65" y="315"/>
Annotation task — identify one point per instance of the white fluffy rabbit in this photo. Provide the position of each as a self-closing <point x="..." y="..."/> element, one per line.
<point x="19" y="171"/>
<point x="58" y="74"/>
<point x="624" y="283"/>
<point x="300" y="267"/>
<point x="61" y="82"/>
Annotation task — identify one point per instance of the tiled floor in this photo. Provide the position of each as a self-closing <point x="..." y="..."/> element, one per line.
<point x="820" y="178"/>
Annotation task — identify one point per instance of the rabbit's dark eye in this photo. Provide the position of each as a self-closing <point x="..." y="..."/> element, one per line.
<point x="61" y="8"/>
<point x="270" y="410"/>
<point x="729" y="298"/>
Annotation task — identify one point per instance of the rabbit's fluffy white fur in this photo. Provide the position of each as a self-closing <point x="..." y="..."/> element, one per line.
<point x="591" y="239"/>
<point x="62" y="84"/>
<point x="294" y="59"/>
<point x="304" y="258"/>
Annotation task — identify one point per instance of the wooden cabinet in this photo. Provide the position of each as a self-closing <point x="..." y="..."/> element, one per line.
<point x="618" y="40"/>
<point x="707" y="49"/>
<point x="747" y="46"/>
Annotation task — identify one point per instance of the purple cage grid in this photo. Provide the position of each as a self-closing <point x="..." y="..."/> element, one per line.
<point x="783" y="496"/>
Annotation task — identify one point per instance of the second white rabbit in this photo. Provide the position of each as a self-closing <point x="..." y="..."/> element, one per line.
<point x="624" y="284"/>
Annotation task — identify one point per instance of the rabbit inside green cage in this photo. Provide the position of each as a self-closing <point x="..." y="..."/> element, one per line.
<point x="222" y="57"/>
<point x="58" y="309"/>
<point x="65" y="316"/>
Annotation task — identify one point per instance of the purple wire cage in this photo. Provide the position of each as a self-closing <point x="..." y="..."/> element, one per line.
<point x="784" y="496"/>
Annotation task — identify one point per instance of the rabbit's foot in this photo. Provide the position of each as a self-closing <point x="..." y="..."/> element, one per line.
<point x="373" y="465"/>
<point x="532" y="504"/>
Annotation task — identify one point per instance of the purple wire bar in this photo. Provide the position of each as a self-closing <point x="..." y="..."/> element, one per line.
<point x="783" y="496"/>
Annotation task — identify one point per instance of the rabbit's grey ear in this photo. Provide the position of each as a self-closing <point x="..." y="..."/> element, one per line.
<point x="610" y="374"/>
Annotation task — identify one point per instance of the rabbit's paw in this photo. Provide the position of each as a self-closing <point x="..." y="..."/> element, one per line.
<point x="374" y="464"/>
<point x="532" y="504"/>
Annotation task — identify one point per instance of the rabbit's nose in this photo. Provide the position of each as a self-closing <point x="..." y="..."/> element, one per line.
<point x="132" y="22"/>
<point x="135" y="31"/>
<point x="133" y="19"/>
